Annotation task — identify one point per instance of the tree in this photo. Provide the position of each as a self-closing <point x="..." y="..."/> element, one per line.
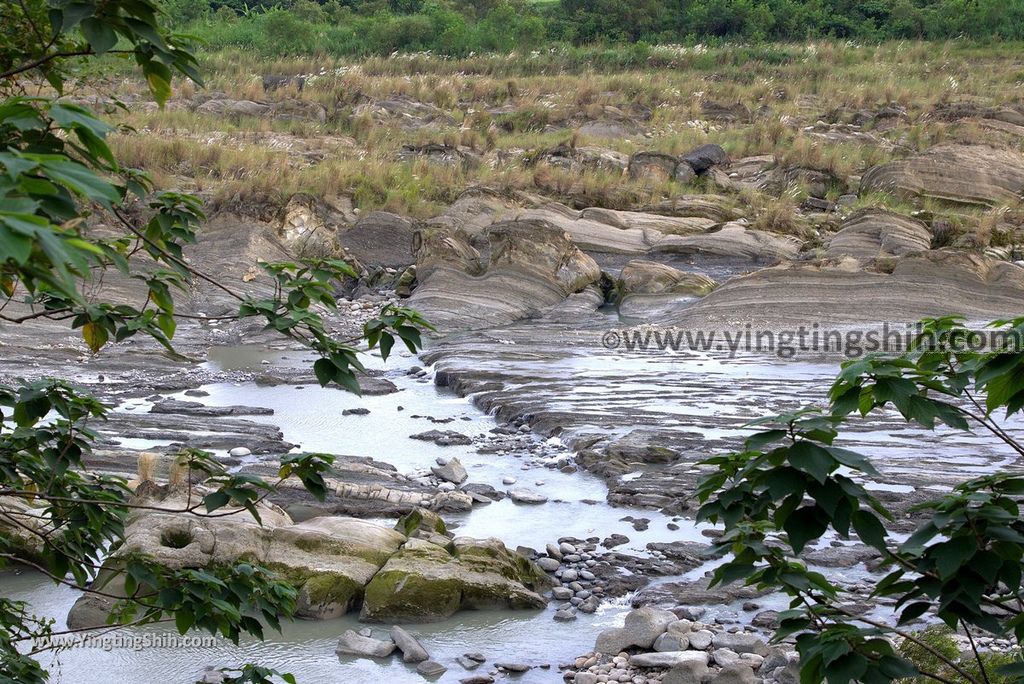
<point x="57" y="176"/>
<point x="791" y="485"/>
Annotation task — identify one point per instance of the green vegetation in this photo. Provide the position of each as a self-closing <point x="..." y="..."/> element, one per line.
<point x="792" y="486"/>
<point x="462" y="27"/>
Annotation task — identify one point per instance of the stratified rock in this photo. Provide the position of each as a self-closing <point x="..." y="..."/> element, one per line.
<point x="968" y="174"/>
<point x="533" y="266"/>
<point x="650" y="277"/>
<point x="380" y="239"/>
<point x="352" y="643"/>
<point x="425" y="581"/>
<point x="874" y="233"/>
<point x="733" y="240"/>
<point x="934" y="283"/>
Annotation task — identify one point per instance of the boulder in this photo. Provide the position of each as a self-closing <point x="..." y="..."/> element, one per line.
<point x="873" y="233"/>
<point x="741" y="643"/>
<point x="380" y="239"/>
<point x="642" y="627"/>
<point x="431" y="669"/>
<point x="963" y="174"/>
<point x="656" y="167"/>
<point x="577" y="159"/>
<point x="737" y="673"/>
<point x="404" y="112"/>
<point x="353" y="643"/>
<point x="527" y="496"/>
<point x="425" y="581"/>
<point x="533" y="266"/>
<point x="452" y="471"/>
<point x="689" y="672"/>
<point x="702" y="158"/>
<point x="450" y="156"/>
<point x="412" y="650"/>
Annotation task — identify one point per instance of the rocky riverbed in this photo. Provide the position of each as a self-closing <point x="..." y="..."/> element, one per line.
<point x="517" y="502"/>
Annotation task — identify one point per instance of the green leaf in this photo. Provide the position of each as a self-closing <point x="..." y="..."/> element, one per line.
<point x="812" y="459"/>
<point x="869" y="529"/>
<point x="99" y="34"/>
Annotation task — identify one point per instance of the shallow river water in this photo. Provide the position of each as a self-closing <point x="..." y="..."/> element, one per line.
<point x="312" y="418"/>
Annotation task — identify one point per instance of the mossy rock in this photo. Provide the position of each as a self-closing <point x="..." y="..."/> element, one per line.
<point x="402" y="596"/>
<point x="421" y="519"/>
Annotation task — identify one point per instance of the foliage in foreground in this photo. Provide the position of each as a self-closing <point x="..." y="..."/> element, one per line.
<point x="58" y="177"/>
<point x="792" y="487"/>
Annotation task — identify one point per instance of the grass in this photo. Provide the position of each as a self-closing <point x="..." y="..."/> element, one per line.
<point x="505" y="108"/>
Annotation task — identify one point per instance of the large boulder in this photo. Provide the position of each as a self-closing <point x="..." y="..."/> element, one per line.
<point x="533" y="266"/>
<point x="702" y="158"/>
<point x="425" y="581"/>
<point x="874" y="233"/>
<point x="966" y="174"/>
<point x="331" y="560"/>
<point x="641" y="629"/>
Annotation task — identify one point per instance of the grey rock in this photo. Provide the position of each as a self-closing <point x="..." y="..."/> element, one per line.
<point x="548" y="564"/>
<point x="352" y="643"/>
<point x="412" y="650"/>
<point x="452" y="472"/>
<point x="431" y="669"/>
<point x="641" y="628"/>
<point x="741" y="643"/>
<point x="725" y="657"/>
<point x="527" y="496"/>
<point x="690" y="672"/>
<point x="735" y="674"/>
<point x="668" y="659"/>
<point x="671" y="641"/>
<point x="701" y="639"/>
